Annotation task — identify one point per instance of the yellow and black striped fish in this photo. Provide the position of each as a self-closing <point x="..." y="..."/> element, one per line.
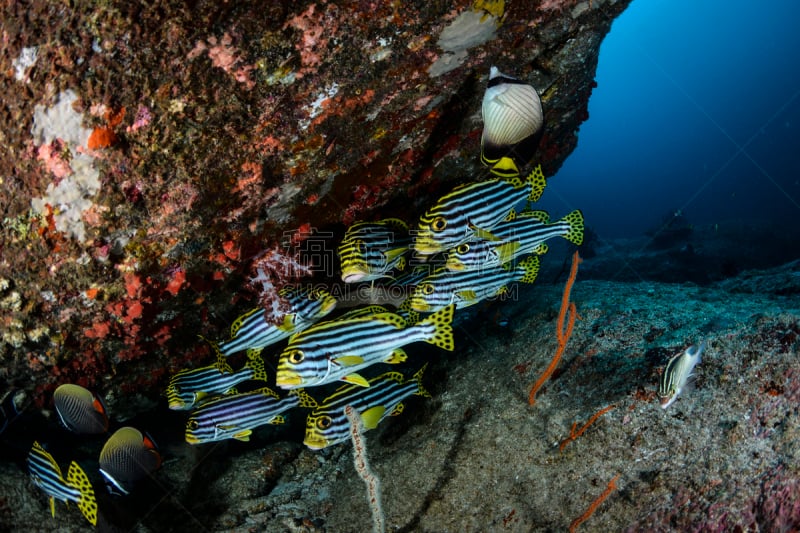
<point x="327" y="424"/>
<point x="79" y="410"/>
<point x="468" y="287"/>
<point x="524" y="234"/>
<point x="337" y="349"/>
<point x="46" y="475"/>
<point x="253" y="331"/>
<point x="513" y="123"/>
<point x="471" y="211"/>
<point x="189" y="387"/>
<point x="126" y="457"/>
<point x="236" y="416"/>
<point x="369" y="250"/>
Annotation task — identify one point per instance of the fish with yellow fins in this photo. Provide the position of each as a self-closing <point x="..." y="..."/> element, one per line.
<point x="523" y="234"/>
<point x="76" y="487"/>
<point x="252" y="330"/>
<point x="513" y="123"/>
<point x="472" y="210"/>
<point x="237" y="415"/>
<point x="187" y="388"/>
<point x="336" y="350"/>
<point x="678" y="374"/>
<point x="468" y="287"/>
<point x="370" y="250"/>
<point x="327" y="424"/>
<point x="79" y="410"/>
<point x="127" y="457"/>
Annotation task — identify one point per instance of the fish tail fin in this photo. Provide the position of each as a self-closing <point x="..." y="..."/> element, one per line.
<point x="78" y="479"/>
<point x="441" y="320"/>
<point x="530" y="269"/>
<point x="256" y="364"/>
<point x="418" y="379"/>
<point x="537" y="182"/>
<point x="576" y="227"/>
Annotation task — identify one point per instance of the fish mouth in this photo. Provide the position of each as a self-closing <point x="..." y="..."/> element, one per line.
<point x="288" y="379"/>
<point x="191" y="439"/>
<point x="454" y="266"/>
<point x="419" y="306"/>
<point x="315" y="443"/>
<point x="353" y="276"/>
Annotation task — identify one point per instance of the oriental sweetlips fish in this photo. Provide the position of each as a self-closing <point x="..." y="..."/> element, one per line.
<point x="523" y="234"/>
<point x="79" y="410"/>
<point x="237" y="415"/>
<point x="252" y="330"/>
<point x="46" y="475"/>
<point x="187" y="388"/>
<point x="127" y="457"/>
<point x="678" y="373"/>
<point x="468" y="287"/>
<point x="512" y="123"/>
<point x="335" y="350"/>
<point x="471" y="211"/>
<point x="327" y="424"/>
<point x="369" y="250"/>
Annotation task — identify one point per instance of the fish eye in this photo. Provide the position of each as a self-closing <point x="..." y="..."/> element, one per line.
<point x="296" y="356"/>
<point x="324" y="422"/>
<point x="438" y="224"/>
<point x="192" y="425"/>
<point x="427" y="288"/>
<point x="462" y="249"/>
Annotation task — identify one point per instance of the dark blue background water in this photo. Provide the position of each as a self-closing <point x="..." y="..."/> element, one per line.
<point x="697" y="108"/>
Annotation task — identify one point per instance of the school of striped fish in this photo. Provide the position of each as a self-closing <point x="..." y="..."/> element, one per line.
<point x="469" y="246"/>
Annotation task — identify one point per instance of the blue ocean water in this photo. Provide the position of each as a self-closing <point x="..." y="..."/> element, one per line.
<point x="697" y="109"/>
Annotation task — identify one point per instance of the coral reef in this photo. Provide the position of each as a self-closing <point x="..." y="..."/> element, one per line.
<point x="153" y="154"/>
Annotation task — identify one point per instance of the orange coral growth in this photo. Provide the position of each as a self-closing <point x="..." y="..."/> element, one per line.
<point x="101" y="137"/>
<point x="612" y="485"/>
<point x="574" y="433"/>
<point x="562" y="334"/>
<point x="176" y="282"/>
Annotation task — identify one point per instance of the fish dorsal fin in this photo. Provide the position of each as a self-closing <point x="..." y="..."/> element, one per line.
<point x="395" y="223"/>
<point x="78" y="479"/>
<point x="356" y="379"/>
<point x="223" y="365"/>
<point x="237" y="324"/>
<point x="363" y="312"/>
<point x="266" y="391"/>
<point x="541" y="249"/>
<point x="278" y="419"/>
<point x="541" y="216"/>
<point x="397" y="356"/>
<point x="348" y="360"/>
<point x="511" y="215"/>
<point x="390" y="318"/>
<point x="244" y="435"/>
<point x="256" y="365"/>
<point x="372" y="416"/>
<point x="306" y="400"/>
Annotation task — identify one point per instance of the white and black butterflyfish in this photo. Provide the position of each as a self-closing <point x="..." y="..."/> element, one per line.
<point x="327" y="424"/>
<point x="513" y="123"/>
<point x="127" y="457"/>
<point x="79" y="410"/>
<point x="76" y="487"/>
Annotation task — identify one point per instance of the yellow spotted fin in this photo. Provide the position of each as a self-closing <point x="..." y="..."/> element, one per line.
<point x="443" y="333"/>
<point x="397" y="356"/>
<point x="418" y="378"/>
<point x="576" y="227"/>
<point x="78" y="479"/>
<point x="306" y="400"/>
<point x="541" y="216"/>
<point x="256" y="364"/>
<point x="530" y="267"/>
<point x="535" y="180"/>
